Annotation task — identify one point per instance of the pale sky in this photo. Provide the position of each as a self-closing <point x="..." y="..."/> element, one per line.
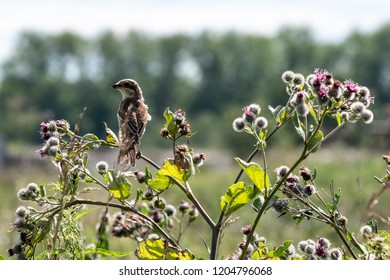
<point x="330" y="20"/>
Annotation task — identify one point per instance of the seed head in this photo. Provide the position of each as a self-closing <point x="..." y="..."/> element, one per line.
<point x="367" y="116"/>
<point x="364" y="92"/>
<point x="261" y="122"/>
<point x="298" y="79"/>
<point x="288" y="76"/>
<point x="52" y="151"/>
<point x="310" y="249"/>
<point x="170" y="210"/>
<point x="357" y="107"/>
<point x="246" y="229"/>
<point x="53" y="141"/>
<point x="280" y="205"/>
<point x="336" y="254"/>
<point x="184" y="206"/>
<point x="366" y="231"/>
<point x="323" y="242"/>
<point x="239" y="124"/>
<point x="140" y="176"/>
<point x="21" y="212"/>
<point x="281" y="171"/>
<point x="342" y="220"/>
<point x="304" y="172"/>
<point x="302" y="245"/>
<point x="309" y="190"/>
<point x="102" y="167"/>
<point x="254" y="108"/>
<point x="198" y="159"/>
<point x="248" y="116"/>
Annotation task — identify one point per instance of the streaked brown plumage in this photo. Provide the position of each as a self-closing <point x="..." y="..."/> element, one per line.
<point x="132" y="119"/>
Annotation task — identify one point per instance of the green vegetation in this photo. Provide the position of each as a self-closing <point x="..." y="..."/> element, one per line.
<point x="209" y="76"/>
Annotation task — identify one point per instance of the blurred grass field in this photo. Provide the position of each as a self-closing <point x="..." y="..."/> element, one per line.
<point x="351" y="170"/>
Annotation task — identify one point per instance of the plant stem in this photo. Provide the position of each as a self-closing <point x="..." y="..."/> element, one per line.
<point x="119" y="206"/>
<point x="303" y="156"/>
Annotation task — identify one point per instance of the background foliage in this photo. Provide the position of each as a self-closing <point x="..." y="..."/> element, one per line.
<point x="208" y="75"/>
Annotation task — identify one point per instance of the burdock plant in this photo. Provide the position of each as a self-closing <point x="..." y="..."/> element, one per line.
<point x="146" y="215"/>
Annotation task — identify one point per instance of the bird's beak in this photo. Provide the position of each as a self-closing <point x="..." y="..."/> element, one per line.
<point x="115" y="86"/>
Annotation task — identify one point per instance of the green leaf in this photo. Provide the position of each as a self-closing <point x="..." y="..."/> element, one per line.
<point x="190" y="171"/>
<point x="298" y="126"/>
<point x="119" y="187"/>
<point x="338" y="118"/>
<point x="160" y="182"/>
<point x="83" y="213"/>
<point x="111" y="137"/>
<point x="105" y="252"/>
<point x="237" y="196"/>
<point x="315" y="142"/>
<point x="275" y="111"/>
<point x="351" y="237"/>
<point x="42" y="191"/>
<point x="170" y="122"/>
<point x="280" y="251"/>
<point x="255" y="173"/>
<point x="282" y="114"/>
<point x="159" y="250"/>
<point x="171" y="170"/>
<point x="91" y="141"/>
<point x="173" y="254"/>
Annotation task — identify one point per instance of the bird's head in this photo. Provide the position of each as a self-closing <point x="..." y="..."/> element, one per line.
<point x="128" y="88"/>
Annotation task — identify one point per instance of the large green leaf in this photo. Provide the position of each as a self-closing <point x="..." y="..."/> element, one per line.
<point x="255" y="173"/>
<point x="163" y="178"/>
<point x="237" y="196"/>
<point x="160" y="182"/>
<point x="171" y="170"/>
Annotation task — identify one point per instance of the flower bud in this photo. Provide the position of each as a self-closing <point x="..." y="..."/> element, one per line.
<point x="170" y="210"/>
<point x="184" y="206"/>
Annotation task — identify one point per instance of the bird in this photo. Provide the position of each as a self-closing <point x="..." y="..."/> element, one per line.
<point x="132" y="119"/>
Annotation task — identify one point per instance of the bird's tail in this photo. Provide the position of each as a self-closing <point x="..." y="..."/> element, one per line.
<point x="127" y="154"/>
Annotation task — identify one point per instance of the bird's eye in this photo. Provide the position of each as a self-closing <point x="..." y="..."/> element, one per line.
<point x="127" y="84"/>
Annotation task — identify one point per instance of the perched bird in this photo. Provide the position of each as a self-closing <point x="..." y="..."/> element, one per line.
<point x="132" y="119"/>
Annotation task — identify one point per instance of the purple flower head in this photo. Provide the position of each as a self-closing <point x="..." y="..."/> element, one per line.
<point x="321" y="75"/>
<point x="351" y="86"/>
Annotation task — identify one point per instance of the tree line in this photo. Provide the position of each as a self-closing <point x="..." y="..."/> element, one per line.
<point x="210" y="76"/>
